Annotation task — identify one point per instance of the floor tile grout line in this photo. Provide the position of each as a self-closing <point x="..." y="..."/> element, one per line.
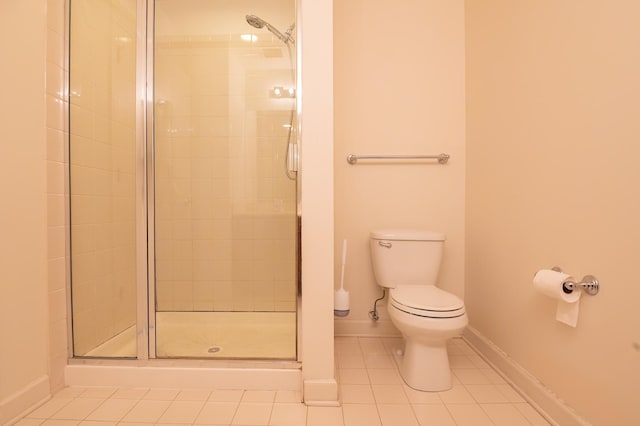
<point x="96" y="408"/>
<point x="161" y="414"/>
<point x="128" y="411"/>
<point x="50" y="416"/>
<point x="446" y="406"/>
<point x="235" y="412"/>
<point x="199" y="411"/>
<point x="270" y="414"/>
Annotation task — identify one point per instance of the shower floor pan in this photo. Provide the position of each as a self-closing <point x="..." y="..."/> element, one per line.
<point x="222" y="335"/>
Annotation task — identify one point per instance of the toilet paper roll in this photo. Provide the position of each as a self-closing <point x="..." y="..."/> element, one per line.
<point x="549" y="283"/>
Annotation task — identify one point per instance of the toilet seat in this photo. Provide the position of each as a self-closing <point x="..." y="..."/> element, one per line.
<point x="426" y="301"/>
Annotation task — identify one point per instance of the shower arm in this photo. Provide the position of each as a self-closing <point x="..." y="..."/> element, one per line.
<point x="288" y="32"/>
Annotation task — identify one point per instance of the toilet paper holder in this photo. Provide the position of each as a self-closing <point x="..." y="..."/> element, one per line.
<point x="589" y="284"/>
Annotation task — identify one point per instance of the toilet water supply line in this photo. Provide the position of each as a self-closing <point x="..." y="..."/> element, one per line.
<point x="374" y="313"/>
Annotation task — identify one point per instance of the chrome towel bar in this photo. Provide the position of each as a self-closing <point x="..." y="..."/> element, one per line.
<point x="353" y="159"/>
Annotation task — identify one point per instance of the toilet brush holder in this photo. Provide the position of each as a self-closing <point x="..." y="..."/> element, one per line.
<point x="341" y="297"/>
<point x="341" y="303"/>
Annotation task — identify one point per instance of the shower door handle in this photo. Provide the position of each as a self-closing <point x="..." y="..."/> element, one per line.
<point x="292" y="157"/>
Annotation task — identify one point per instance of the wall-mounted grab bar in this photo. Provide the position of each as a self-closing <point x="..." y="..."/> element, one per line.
<point x="353" y="159"/>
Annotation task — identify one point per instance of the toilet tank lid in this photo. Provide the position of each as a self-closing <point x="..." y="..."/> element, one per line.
<point x="407" y="235"/>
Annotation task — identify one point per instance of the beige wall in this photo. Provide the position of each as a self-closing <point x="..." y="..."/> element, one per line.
<point x="552" y="144"/>
<point x="399" y="89"/>
<point x="23" y="216"/>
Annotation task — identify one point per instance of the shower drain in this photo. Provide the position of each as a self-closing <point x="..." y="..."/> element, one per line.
<point x="214" y="349"/>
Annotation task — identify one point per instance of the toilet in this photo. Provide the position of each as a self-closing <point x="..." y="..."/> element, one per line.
<point x="406" y="262"/>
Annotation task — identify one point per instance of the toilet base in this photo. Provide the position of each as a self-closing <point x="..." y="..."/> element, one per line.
<point x="425" y="367"/>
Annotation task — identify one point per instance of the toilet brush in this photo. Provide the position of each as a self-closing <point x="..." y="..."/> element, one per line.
<point x="341" y="297"/>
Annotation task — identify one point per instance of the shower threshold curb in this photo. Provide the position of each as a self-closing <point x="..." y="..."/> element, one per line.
<point x="247" y="375"/>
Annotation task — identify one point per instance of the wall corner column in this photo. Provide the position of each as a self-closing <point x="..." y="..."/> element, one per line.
<point x="315" y="20"/>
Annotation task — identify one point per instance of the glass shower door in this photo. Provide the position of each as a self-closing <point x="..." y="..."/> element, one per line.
<point x="225" y="191"/>
<point x="102" y="177"/>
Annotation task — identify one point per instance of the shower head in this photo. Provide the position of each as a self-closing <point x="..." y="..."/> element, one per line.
<point x="254" y="21"/>
<point x="258" y="22"/>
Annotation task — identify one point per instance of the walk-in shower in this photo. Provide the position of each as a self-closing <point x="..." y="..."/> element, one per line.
<point x="184" y="227"/>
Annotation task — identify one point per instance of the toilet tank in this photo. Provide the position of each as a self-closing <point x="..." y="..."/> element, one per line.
<point x="406" y="256"/>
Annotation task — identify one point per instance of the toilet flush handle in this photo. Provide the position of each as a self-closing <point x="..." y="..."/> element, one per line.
<point x="385" y="244"/>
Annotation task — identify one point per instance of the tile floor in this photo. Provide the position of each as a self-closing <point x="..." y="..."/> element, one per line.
<point x="372" y="393"/>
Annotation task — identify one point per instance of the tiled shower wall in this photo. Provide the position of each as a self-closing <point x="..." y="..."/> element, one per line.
<point x="225" y="210"/>
<point x="102" y="102"/>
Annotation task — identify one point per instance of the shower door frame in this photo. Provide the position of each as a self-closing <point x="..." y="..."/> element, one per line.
<point x="147" y="312"/>
<point x="145" y="196"/>
<point x="145" y="181"/>
<point x="146" y="237"/>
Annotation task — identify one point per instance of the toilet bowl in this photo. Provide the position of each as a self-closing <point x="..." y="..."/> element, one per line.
<point x="407" y="263"/>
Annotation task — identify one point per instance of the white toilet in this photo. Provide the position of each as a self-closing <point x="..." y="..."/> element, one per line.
<point x="407" y="263"/>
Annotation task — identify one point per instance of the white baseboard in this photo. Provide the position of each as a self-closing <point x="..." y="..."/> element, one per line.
<point x="20" y="403"/>
<point x="368" y="328"/>
<point x="321" y="393"/>
<point x="555" y="410"/>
